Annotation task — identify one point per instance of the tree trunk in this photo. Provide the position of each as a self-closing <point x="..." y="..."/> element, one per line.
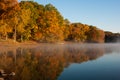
<point x="0" y="36"/>
<point x="21" y="38"/>
<point x="15" y="35"/>
<point x="6" y="37"/>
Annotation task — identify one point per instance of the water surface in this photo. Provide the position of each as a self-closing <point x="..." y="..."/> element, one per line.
<point x="62" y="62"/>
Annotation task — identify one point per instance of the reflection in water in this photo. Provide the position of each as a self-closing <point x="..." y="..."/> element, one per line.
<point x="47" y="61"/>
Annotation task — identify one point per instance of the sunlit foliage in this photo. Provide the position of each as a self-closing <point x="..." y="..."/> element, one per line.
<point x="77" y="32"/>
<point x="28" y="20"/>
<point x="95" y="35"/>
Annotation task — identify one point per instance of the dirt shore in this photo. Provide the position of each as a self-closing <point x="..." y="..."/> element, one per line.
<point x="11" y="43"/>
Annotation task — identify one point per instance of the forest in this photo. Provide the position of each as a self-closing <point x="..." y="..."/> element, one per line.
<point x="28" y="20"/>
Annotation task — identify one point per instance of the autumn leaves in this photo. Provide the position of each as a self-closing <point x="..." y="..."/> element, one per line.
<point x="29" y="20"/>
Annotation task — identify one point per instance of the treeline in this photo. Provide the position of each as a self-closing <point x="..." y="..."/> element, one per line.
<point x="112" y="37"/>
<point x="29" y="20"/>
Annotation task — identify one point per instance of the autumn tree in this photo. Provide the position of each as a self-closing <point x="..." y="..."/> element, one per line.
<point x="95" y="35"/>
<point x="77" y="32"/>
<point x="6" y="4"/>
<point x="23" y="22"/>
<point x="4" y="29"/>
<point x="66" y="29"/>
<point x="112" y="37"/>
<point x="31" y="28"/>
<point x="13" y="16"/>
<point x="28" y="20"/>
<point x="50" y="23"/>
<point x="5" y="9"/>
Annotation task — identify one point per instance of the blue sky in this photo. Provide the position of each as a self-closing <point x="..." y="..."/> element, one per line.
<point x="105" y="14"/>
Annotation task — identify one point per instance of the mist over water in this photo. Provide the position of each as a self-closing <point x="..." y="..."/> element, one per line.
<point x="69" y="61"/>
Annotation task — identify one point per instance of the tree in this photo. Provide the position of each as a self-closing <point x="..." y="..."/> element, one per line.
<point x="95" y="35"/>
<point x="35" y="9"/>
<point x="6" y="4"/>
<point x="23" y="22"/>
<point x="4" y="29"/>
<point x="50" y="22"/>
<point x="29" y="20"/>
<point x="78" y="32"/>
<point x="66" y="29"/>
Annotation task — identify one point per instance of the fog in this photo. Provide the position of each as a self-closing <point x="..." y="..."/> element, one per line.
<point x="44" y="58"/>
<point x="51" y="46"/>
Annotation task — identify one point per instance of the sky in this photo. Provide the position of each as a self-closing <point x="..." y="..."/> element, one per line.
<point x="104" y="14"/>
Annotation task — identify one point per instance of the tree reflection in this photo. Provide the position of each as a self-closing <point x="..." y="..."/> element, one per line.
<point x="46" y="62"/>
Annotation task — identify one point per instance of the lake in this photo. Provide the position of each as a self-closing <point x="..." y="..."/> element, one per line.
<point x="70" y="61"/>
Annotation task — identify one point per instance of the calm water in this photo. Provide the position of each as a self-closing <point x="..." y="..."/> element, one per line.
<point x="62" y="62"/>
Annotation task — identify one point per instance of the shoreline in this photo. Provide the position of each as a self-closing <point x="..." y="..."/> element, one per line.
<point x="31" y="43"/>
